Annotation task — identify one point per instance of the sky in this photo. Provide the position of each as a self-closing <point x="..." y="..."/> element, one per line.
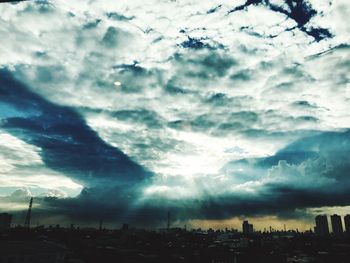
<point x="216" y="111"/>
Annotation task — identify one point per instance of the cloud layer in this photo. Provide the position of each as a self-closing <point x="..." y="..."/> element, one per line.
<point x="221" y="109"/>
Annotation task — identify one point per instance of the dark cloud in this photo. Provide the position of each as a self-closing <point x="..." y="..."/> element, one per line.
<point x="67" y="143"/>
<point x="194" y="43"/>
<point x="307" y="119"/>
<point x="51" y="73"/>
<point x="205" y="65"/>
<point x="243" y="75"/>
<point x="218" y="99"/>
<point x="203" y="122"/>
<point x="304" y="104"/>
<point x="311" y="172"/>
<point x="214" y="9"/>
<point x="12" y="1"/>
<point x="300" y="11"/>
<point x="115" y="37"/>
<point x="40" y="7"/>
<point x="191" y="66"/>
<point x="135" y="78"/>
<point x="173" y="89"/>
<point x="118" y="17"/>
<point x="235" y="122"/>
<point x="149" y="118"/>
<point x="220" y="122"/>
<point x="247" y="117"/>
<point x="70" y="146"/>
<point x="222" y="99"/>
<point x="92" y="24"/>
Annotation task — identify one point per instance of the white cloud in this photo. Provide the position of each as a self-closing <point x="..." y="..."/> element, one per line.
<point x="70" y="65"/>
<point x="22" y="166"/>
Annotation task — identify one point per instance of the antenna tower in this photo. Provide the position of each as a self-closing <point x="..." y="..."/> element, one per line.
<point x="29" y="213"/>
<point x="168" y="224"/>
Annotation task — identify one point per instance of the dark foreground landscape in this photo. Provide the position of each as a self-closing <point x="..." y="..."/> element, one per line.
<point x="57" y="244"/>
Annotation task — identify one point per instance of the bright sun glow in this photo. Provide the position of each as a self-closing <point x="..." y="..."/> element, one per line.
<point x="117" y="83"/>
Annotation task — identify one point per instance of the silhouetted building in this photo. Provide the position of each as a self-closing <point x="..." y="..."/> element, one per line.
<point x="5" y="220"/>
<point x="321" y="228"/>
<point x="247" y="228"/>
<point x="347" y="224"/>
<point x="337" y="225"/>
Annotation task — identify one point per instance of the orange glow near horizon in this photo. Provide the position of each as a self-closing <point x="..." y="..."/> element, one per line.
<point x="260" y="223"/>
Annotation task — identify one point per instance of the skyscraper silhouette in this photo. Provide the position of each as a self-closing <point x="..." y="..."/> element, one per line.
<point x="337" y="225"/>
<point x="347" y="224"/>
<point x="322" y="228"/>
<point x="247" y="228"/>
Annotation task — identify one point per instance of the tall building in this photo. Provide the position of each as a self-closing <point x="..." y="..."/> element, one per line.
<point x="347" y="224"/>
<point x="337" y="225"/>
<point x="322" y="228"/>
<point x="5" y="220"/>
<point x="247" y="228"/>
